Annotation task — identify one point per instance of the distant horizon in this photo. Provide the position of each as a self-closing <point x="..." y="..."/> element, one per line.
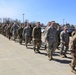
<point x="40" y="10"/>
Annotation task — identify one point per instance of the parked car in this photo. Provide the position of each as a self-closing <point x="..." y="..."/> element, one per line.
<point x="71" y="30"/>
<point x="42" y="30"/>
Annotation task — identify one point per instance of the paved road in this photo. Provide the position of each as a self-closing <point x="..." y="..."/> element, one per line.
<point x="15" y="59"/>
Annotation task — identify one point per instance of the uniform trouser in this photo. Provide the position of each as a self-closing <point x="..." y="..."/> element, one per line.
<point x="64" y="49"/>
<point x="58" y="43"/>
<point x="37" y="43"/>
<point x="51" y="47"/>
<point x="9" y="35"/>
<point x="45" y="45"/>
<point x="73" y="62"/>
<point x="15" y="35"/>
<point x="27" y="39"/>
<point x="20" y="38"/>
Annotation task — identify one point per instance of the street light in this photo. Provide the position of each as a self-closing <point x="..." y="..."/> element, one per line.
<point x="23" y="18"/>
<point x="63" y="21"/>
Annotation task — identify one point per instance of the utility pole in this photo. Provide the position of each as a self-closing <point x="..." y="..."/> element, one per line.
<point x="23" y="17"/>
<point x="63" y="21"/>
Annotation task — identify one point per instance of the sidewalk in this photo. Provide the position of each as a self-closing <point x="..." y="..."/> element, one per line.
<point x="15" y="59"/>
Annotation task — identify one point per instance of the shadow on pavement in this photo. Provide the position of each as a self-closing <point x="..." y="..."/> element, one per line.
<point x="55" y="54"/>
<point x="43" y="53"/>
<point x="62" y="61"/>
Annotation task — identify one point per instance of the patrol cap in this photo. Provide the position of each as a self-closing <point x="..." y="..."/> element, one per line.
<point x="38" y="23"/>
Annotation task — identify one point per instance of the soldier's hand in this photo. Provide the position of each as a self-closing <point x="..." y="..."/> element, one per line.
<point x="33" y="38"/>
<point x="64" y="43"/>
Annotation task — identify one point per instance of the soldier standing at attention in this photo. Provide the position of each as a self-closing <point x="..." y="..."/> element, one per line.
<point x="64" y="40"/>
<point x="73" y="53"/>
<point x="36" y="34"/>
<point x="51" y="39"/>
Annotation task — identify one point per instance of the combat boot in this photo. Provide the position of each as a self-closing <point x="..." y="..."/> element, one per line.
<point x="74" y="71"/>
<point x="65" y="56"/>
<point x="73" y="68"/>
<point x="38" y="49"/>
<point x="62" y="56"/>
<point x="50" y="56"/>
<point x="35" y="50"/>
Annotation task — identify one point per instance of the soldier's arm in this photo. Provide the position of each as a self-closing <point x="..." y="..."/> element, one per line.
<point x="12" y="28"/>
<point x="23" y="31"/>
<point x="72" y="46"/>
<point x="18" y="31"/>
<point x="40" y="33"/>
<point x="57" y="35"/>
<point x="62" y="37"/>
<point x="73" y="33"/>
<point x="33" y="32"/>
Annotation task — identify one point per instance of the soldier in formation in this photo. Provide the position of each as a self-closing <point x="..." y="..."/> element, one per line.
<point x="45" y="31"/>
<point x="64" y="40"/>
<point x="58" y="35"/>
<point x="51" y="39"/>
<point x="36" y="34"/>
<point x="15" y="31"/>
<point x="20" y="31"/>
<point x="27" y="34"/>
<point x="73" y="53"/>
<point x="9" y="33"/>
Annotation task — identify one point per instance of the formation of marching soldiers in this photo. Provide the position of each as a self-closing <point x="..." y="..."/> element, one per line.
<point x="53" y="38"/>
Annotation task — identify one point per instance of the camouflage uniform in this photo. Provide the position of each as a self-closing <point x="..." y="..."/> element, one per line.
<point x="73" y="52"/>
<point x="73" y="33"/>
<point x="51" y="39"/>
<point x="14" y="31"/>
<point x="4" y="29"/>
<point x="9" y="33"/>
<point x="64" y="40"/>
<point x="27" y="34"/>
<point x="45" y="32"/>
<point x="36" y="34"/>
<point x="20" y="31"/>
<point x="3" y="26"/>
<point x="58" y="35"/>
